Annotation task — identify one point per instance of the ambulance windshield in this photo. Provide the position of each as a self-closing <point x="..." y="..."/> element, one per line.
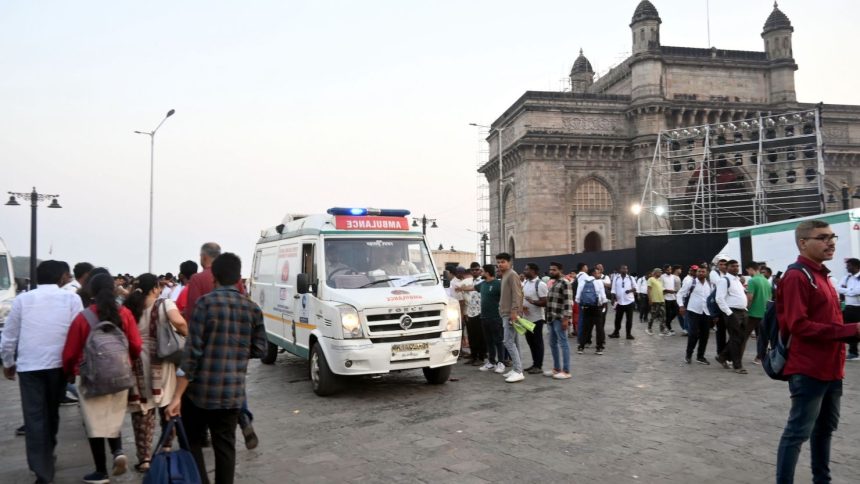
<point x="369" y="263"/>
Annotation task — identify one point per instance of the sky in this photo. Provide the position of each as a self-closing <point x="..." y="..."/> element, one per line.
<point x="295" y="107"/>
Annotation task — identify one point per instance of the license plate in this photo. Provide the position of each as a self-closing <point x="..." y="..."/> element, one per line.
<point x="409" y="351"/>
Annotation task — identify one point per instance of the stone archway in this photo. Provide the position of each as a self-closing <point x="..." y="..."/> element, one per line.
<point x="593" y="242"/>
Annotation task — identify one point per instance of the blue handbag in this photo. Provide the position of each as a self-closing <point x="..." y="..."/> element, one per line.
<point x="174" y="467"/>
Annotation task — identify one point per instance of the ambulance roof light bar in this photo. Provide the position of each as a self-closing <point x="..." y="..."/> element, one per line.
<point x="359" y="212"/>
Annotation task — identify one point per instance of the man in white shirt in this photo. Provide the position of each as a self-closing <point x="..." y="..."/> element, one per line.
<point x="732" y="300"/>
<point x="849" y="288"/>
<point x="472" y="302"/>
<point x="624" y="292"/>
<point x="718" y="272"/>
<point x="534" y="301"/>
<point x="462" y="280"/>
<point x="670" y="288"/>
<point x="693" y="305"/>
<point x="642" y="293"/>
<point x="591" y="297"/>
<point x="581" y="273"/>
<point x="31" y="347"/>
<point x="81" y="272"/>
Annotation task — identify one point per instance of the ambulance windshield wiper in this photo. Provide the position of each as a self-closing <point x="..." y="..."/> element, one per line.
<point x="424" y="279"/>
<point x="371" y="283"/>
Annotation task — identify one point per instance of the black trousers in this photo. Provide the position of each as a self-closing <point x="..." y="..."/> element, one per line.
<point x="627" y="311"/>
<point x="535" y="342"/>
<point x="644" y="309"/>
<point x="721" y="332"/>
<point x="851" y="314"/>
<point x="222" y="427"/>
<point x="494" y="338"/>
<point x="593" y="318"/>
<point x="698" y="332"/>
<point x="97" y="448"/>
<point x="477" y="345"/>
<point x="671" y="313"/>
<point x="41" y="392"/>
<point x="736" y="326"/>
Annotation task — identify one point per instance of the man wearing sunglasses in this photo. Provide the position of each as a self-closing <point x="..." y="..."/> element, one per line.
<point x="808" y="311"/>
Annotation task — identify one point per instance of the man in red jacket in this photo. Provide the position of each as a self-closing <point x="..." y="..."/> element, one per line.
<point x="816" y="360"/>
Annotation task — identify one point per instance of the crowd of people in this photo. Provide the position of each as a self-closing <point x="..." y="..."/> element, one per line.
<point x="813" y="324"/>
<point x="104" y="342"/>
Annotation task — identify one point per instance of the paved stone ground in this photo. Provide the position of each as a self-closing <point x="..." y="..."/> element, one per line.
<point x="635" y="414"/>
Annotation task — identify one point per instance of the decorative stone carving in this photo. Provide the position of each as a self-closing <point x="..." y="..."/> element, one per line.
<point x="835" y="132"/>
<point x="590" y="124"/>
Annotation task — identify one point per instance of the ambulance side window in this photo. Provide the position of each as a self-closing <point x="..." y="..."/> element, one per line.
<point x="308" y="266"/>
<point x="266" y="266"/>
<point x="257" y="258"/>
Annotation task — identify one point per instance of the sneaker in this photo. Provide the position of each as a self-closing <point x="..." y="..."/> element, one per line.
<point x="534" y="371"/>
<point x="853" y="358"/>
<point x="20" y="431"/>
<point x="703" y="361"/>
<point x="120" y="465"/>
<point x="598" y="351"/>
<point x="723" y="362"/>
<point x="515" y="377"/>
<point x="684" y="332"/>
<point x="630" y="336"/>
<point x="665" y="333"/>
<point x="687" y="360"/>
<point x="68" y="399"/>
<point x="509" y="373"/>
<point x="96" y="478"/>
<point x="487" y="366"/>
<point x="756" y="360"/>
<point x="614" y="335"/>
<point x="561" y="376"/>
<point x="579" y="349"/>
<point x="649" y="332"/>
<point x="551" y="373"/>
<point x="500" y="368"/>
<point x="671" y="332"/>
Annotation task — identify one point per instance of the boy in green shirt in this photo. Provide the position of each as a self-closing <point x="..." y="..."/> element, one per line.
<point x="759" y="292"/>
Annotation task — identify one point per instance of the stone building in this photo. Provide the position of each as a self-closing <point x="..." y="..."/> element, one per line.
<point x="575" y="162"/>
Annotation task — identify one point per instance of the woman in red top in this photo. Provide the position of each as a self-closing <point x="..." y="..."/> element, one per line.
<point x="103" y="415"/>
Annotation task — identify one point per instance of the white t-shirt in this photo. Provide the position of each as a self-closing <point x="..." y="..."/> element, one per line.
<point x="530" y="311"/>
<point x="455" y="283"/>
<point x="668" y="281"/>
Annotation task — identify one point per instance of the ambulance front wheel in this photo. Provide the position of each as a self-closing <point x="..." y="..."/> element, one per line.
<point x="437" y="376"/>
<point x="271" y="354"/>
<point x="323" y="381"/>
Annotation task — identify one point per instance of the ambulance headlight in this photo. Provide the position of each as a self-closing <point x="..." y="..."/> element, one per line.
<point x="350" y="322"/>
<point x="453" y="315"/>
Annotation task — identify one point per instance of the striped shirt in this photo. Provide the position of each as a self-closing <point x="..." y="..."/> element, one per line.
<point x="559" y="300"/>
<point x="226" y="329"/>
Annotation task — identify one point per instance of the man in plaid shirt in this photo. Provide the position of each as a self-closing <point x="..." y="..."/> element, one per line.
<point x="226" y="329"/>
<point x="559" y="309"/>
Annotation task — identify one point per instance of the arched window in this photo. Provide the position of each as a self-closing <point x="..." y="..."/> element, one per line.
<point x="592" y="195"/>
<point x="510" y="210"/>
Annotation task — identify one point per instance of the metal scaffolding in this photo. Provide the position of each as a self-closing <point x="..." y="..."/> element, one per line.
<point x="483" y="197"/>
<point x="710" y="178"/>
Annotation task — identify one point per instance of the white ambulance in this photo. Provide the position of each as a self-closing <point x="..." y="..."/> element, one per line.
<point x="356" y="293"/>
<point x="7" y="283"/>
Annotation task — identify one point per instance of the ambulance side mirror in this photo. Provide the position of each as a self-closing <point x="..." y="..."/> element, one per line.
<point x="302" y="284"/>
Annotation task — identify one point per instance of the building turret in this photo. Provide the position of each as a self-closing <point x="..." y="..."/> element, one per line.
<point x="646" y="28"/>
<point x="581" y="75"/>
<point x="777" y="45"/>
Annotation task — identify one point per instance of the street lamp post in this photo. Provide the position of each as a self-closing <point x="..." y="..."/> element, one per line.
<point x="151" y="135"/>
<point x="34" y="197"/>
<point x="424" y="221"/>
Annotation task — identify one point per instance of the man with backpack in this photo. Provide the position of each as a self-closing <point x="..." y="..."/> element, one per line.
<point x="693" y="305"/>
<point x="591" y="296"/>
<point x="808" y="312"/>
<point x="732" y="300"/>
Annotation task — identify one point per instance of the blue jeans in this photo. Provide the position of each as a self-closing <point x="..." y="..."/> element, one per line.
<point x="814" y="414"/>
<point x="511" y="337"/>
<point x="557" y="337"/>
<point x="580" y="336"/>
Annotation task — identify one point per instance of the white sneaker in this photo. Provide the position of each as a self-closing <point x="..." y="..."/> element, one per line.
<point x="487" y="366"/>
<point x="684" y="332"/>
<point x="549" y="373"/>
<point x="649" y="332"/>
<point x="515" y="377"/>
<point x="500" y="368"/>
<point x="671" y="332"/>
<point x="509" y="373"/>
<point x="561" y="376"/>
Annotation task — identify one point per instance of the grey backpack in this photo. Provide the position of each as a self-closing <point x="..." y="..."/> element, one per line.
<point x="106" y="368"/>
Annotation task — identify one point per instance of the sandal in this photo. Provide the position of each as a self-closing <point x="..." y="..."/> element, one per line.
<point x="142" y="467"/>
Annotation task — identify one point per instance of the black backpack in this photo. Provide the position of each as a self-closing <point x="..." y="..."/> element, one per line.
<point x="776" y="357"/>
